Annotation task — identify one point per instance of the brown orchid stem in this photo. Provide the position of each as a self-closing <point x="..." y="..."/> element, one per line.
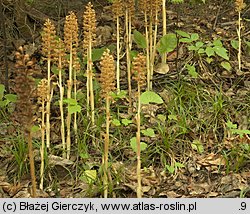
<point x="151" y="67"/>
<point x="48" y="105"/>
<point x="61" y="91"/>
<point x="69" y="84"/>
<point x="239" y="40"/>
<point x="164" y="27"/>
<point x="32" y="164"/>
<point x="128" y="56"/>
<point x="138" y="142"/>
<point x="106" y="147"/>
<point x="118" y="54"/>
<point x="42" y="149"/>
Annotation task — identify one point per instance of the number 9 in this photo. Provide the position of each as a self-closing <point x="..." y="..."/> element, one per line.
<point x="243" y="205"/>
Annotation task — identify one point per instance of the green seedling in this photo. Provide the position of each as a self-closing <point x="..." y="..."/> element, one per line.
<point x="173" y="168"/>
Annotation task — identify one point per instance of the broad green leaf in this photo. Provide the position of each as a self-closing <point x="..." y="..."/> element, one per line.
<point x="193" y="48"/>
<point x="209" y="51"/>
<point x="201" y="51"/>
<point x="218" y="43"/>
<point x="222" y="52"/>
<point x="97" y="54"/>
<point x="35" y="128"/>
<point x="192" y="71"/>
<point x="2" y="89"/>
<point x="226" y="65"/>
<point x="194" y="36"/>
<point x="55" y="70"/>
<point x="3" y="103"/>
<point x="148" y="132"/>
<point x="199" y="44"/>
<point x="133" y="145"/>
<point x="11" y="97"/>
<point x="170" y="169"/>
<point x="70" y="101"/>
<point x="89" y="176"/>
<point x="185" y="40"/>
<point x="150" y="97"/>
<point x="116" y="122"/>
<point x="167" y="43"/>
<point x="126" y="122"/>
<point x="140" y="40"/>
<point x="197" y="146"/>
<point x="235" y="44"/>
<point x="182" y="33"/>
<point x="74" y="108"/>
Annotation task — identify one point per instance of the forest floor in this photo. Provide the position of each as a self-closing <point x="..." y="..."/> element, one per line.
<point x="200" y="145"/>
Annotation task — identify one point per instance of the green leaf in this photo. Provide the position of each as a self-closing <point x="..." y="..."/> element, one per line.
<point x="193" y="48"/>
<point x="182" y="33"/>
<point x="192" y="71"/>
<point x="2" y="89"/>
<point x="197" y="146"/>
<point x="230" y="125"/>
<point x="126" y="122"/>
<point x="161" y="117"/>
<point x="185" y="40"/>
<point x="140" y="40"/>
<point x="35" y="128"/>
<point x="222" y="52"/>
<point x="89" y="176"/>
<point x="55" y="70"/>
<point x="209" y="51"/>
<point x="177" y="1"/>
<point x="218" y="43"/>
<point x="194" y="36"/>
<point x="235" y="44"/>
<point x="240" y="132"/>
<point x="170" y="169"/>
<point x="172" y="117"/>
<point x="209" y="60"/>
<point x="199" y="44"/>
<point x="116" y="122"/>
<point x="3" y="103"/>
<point x="97" y="54"/>
<point x="167" y="43"/>
<point x="133" y="54"/>
<point x="74" y="108"/>
<point x="133" y="145"/>
<point x="201" y="51"/>
<point x="150" y="97"/>
<point x="179" y="165"/>
<point x="70" y="101"/>
<point x="148" y="132"/>
<point x="11" y="97"/>
<point x="120" y="95"/>
<point x="226" y="65"/>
